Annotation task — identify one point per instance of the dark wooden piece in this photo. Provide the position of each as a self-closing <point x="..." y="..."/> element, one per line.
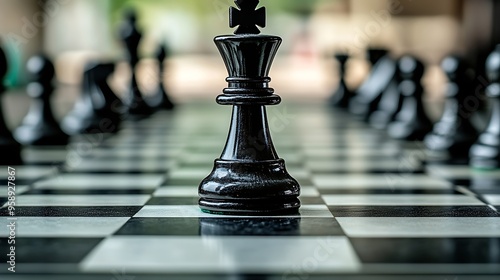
<point x="486" y="151"/>
<point x="39" y="127"/>
<point x="160" y="99"/>
<point x="412" y="122"/>
<point x="131" y="36"/>
<point x="98" y="110"/>
<point x="454" y="134"/>
<point x="10" y="149"/>
<point x="342" y="95"/>
<point x="249" y="177"/>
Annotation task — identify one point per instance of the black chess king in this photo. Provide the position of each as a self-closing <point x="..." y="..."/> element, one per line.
<point x="249" y="178"/>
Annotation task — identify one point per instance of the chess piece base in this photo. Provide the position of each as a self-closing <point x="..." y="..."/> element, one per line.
<point x="239" y="187"/>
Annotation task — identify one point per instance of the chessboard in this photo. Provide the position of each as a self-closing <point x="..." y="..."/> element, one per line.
<point x="125" y="206"/>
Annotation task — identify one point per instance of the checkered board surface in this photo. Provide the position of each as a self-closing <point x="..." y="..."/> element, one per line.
<point x="125" y="206"/>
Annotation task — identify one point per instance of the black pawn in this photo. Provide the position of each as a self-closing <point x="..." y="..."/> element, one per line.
<point x="98" y="110"/>
<point x="39" y="127"/>
<point x="10" y="150"/>
<point x="131" y="36"/>
<point x="411" y="123"/>
<point x="368" y="96"/>
<point x="342" y="95"/>
<point x="249" y="177"/>
<point x="454" y="134"/>
<point x="485" y="153"/>
<point x="160" y="99"/>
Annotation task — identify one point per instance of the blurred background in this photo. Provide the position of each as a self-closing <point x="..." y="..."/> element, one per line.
<point x="73" y="31"/>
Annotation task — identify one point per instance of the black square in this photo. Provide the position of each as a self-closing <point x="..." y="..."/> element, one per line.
<point x="49" y="250"/>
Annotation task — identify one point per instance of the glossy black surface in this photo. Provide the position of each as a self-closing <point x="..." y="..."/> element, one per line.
<point x="486" y="151"/>
<point x="10" y="150"/>
<point x="160" y="99"/>
<point x="131" y="37"/>
<point x="454" y="134"/>
<point x="412" y="122"/>
<point x="98" y="110"/>
<point x="249" y="177"/>
<point x="39" y="127"/>
<point x="342" y="95"/>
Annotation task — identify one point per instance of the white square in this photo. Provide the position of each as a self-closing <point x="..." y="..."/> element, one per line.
<point x="397" y="200"/>
<point x="411" y="227"/>
<point x="63" y="226"/>
<point x="227" y="254"/>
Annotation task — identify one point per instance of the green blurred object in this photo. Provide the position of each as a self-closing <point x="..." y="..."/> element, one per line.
<point x="300" y="7"/>
<point x="14" y="59"/>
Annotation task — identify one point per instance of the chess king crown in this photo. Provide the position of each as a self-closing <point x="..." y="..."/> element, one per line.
<point x="248" y="57"/>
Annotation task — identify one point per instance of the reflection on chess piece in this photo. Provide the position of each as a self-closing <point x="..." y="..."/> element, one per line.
<point x="412" y="122"/>
<point x="249" y="177"/>
<point x="39" y="127"/>
<point x="486" y="151"/>
<point x="10" y="150"/>
<point x="342" y="95"/>
<point x="98" y="110"/>
<point x="160" y="99"/>
<point x="134" y="100"/>
<point x="454" y="134"/>
<point x="250" y="227"/>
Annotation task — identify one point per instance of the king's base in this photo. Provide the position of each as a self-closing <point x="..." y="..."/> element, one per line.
<point x="249" y="188"/>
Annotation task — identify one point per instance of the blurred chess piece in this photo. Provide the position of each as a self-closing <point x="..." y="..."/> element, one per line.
<point x="369" y="94"/>
<point x="389" y="106"/>
<point x="412" y="122"/>
<point x="10" y="150"/>
<point x="39" y="127"/>
<point x="485" y="153"/>
<point x="160" y="99"/>
<point x="131" y="36"/>
<point x="454" y="134"/>
<point x="98" y="110"/>
<point x="342" y="95"/>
